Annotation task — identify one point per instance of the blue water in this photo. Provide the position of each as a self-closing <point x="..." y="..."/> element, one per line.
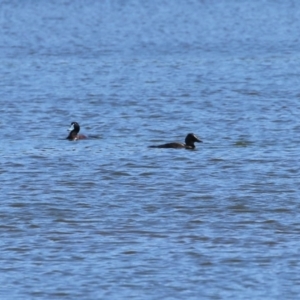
<point x="110" y="218"/>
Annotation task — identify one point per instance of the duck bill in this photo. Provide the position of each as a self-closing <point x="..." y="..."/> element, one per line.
<point x="71" y="127"/>
<point x="197" y="139"/>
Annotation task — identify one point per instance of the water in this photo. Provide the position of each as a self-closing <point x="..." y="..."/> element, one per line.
<point x="109" y="218"/>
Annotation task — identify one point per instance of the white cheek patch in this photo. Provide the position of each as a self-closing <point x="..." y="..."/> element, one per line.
<point x="71" y="127"/>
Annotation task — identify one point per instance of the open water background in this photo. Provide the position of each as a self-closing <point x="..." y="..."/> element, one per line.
<point x="109" y="218"/>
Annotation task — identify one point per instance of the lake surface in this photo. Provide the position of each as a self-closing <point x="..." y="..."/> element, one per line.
<point x="108" y="217"/>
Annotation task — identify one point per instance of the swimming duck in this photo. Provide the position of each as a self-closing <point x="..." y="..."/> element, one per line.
<point x="189" y="143"/>
<point x="74" y="130"/>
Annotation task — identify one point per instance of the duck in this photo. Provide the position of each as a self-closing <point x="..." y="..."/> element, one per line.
<point x="74" y="130"/>
<point x="190" y="140"/>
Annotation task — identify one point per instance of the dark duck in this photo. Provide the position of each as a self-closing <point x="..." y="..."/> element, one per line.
<point x="74" y="132"/>
<point x="189" y="143"/>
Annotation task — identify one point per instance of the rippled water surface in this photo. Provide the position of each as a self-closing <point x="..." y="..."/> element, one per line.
<point x="110" y="218"/>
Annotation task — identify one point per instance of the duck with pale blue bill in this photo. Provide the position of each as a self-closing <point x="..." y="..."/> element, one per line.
<point x="74" y="132"/>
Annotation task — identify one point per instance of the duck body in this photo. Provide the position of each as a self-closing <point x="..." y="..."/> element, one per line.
<point x="170" y="145"/>
<point x="190" y="140"/>
<point x="74" y="132"/>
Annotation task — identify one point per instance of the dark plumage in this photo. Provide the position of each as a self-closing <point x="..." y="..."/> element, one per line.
<point x="189" y="143"/>
<point x="74" y="130"/>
